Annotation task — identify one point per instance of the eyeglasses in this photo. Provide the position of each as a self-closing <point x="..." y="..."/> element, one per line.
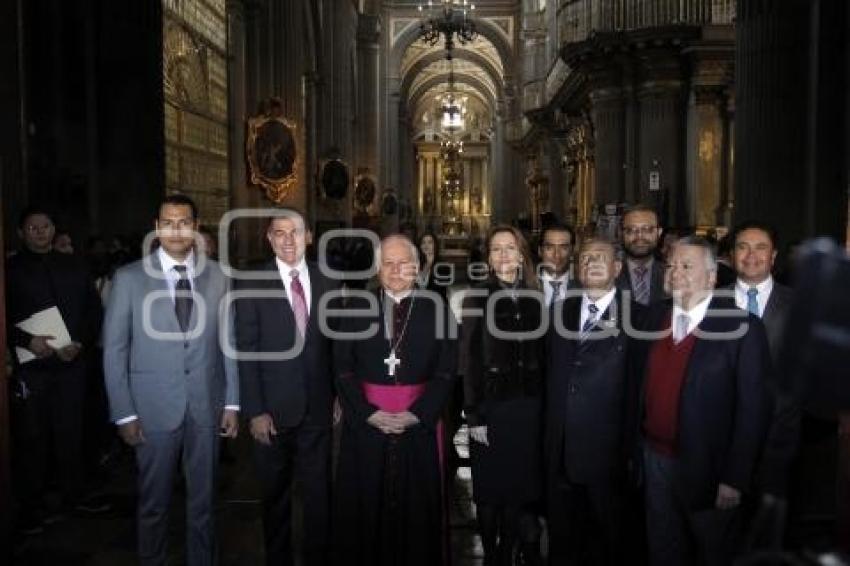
<point x="33" y="228"/>
<point x="645" y="230"/>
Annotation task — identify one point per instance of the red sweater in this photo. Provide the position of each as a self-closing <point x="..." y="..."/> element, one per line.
<point x="667" y="365"/>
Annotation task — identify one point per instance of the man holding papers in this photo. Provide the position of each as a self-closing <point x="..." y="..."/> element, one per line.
<point x="53" y="314"/>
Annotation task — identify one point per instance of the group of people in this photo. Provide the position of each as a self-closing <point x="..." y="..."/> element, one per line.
<point x="624" y="404"/>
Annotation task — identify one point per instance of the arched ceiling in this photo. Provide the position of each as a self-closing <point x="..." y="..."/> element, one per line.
<point x="479" y="77"/>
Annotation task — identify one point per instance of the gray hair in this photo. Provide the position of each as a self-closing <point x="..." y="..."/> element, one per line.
<point x="414" y="251"/>
<point x="707" y="247"/>
<point x="616" y="249"/>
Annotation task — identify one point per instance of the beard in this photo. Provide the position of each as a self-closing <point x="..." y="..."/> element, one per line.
<point x="641" y="249"/>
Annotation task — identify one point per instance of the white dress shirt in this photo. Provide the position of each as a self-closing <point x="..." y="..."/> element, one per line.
<point x="695" y="315"/>
<point x="601" y="303"/>
<point x="547" y="279"/>
<point x="171" y="276"/>
<point x="303" y="276"/>
<point x="764" y="289"/>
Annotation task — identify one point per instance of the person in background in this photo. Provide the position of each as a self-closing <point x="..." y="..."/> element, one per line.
<point x="754" y="256"/>
<point x="63" y="243"/>
<point x="555" y="251"/>
<point x="642" y="274"/>
<point x="48" y="417"/>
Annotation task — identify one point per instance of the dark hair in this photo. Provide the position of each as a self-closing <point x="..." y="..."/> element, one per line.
<point x="753" y="225"/>
<point x="436" y="246"/>
<point x="640" y="207"/>
<point x="32" y="210"/>
<point x="557" y="226"/>
<point x="179" y="200"/>
<point x="529" y="276"/>
<point x="616" y="249"/>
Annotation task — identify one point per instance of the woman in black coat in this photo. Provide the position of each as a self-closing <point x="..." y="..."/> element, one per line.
<point x="503" y="385"/>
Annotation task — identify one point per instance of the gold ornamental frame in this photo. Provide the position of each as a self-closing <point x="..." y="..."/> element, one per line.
<point x="271" y="137"/>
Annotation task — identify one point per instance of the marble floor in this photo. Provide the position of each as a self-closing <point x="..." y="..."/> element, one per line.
<point x="109" y="540"/>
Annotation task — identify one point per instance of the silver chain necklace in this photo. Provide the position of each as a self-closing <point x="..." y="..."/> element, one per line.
<point x="393" y="361"/>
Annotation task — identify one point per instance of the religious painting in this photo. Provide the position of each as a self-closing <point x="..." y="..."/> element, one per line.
<point x="335" y="179"/>
<point x="272" y="153"/>
<point x="364" y="193"/>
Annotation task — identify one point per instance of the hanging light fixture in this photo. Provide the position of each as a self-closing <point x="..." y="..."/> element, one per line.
<point x="451" y="19"/>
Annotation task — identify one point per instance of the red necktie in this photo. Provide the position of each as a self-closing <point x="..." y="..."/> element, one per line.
<point x="299" y="302"/>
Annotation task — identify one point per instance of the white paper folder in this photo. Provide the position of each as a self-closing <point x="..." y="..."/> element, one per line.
<point x="44" y="323"/>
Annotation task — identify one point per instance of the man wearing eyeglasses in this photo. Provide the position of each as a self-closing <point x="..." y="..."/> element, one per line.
<point x="50" y="376"/>
<point x="642" y="274"/>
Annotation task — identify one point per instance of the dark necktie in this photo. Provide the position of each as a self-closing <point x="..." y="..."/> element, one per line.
<point x="593" y="314"/>
<point x="641" y="287"/>
<point x="556" y="288"/>
<point x="299" y="302"/>
<point x="183" y="298"/>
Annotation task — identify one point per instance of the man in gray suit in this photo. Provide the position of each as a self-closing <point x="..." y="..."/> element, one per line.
<point x="643" y="273"/>
<point x="753" y="256"/>
<point x="171" y="389"/>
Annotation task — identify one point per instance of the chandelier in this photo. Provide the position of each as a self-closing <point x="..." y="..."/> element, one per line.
<point x="447" y="18"/>
<point x="453" y="106"/>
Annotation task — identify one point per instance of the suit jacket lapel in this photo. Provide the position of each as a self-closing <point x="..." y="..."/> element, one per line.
<point x="200" y="285"/>
<point x="316" y="291"/>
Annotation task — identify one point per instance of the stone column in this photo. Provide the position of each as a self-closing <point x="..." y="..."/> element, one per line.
<point x="660" y="98"/>
<point x="368" y="122"/>
<point x="608" y="115"/>
<point x="237" y="115"/>
<point x="790" y="164"/>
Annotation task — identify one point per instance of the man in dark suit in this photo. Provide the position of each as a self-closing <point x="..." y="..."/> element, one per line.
<point x="586" y="392"/>
<point x="556" y="251"/>
<point x="287" y="388"/>
<point x="643" y="274"/>
<point x="703" y="414"/>
<point x="753" y="256"/>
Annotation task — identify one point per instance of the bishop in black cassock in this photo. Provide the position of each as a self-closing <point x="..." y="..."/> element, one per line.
<point x="393" y="386"/>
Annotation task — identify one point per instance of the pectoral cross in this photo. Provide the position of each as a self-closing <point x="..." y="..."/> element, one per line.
<point x="392" y="362"/>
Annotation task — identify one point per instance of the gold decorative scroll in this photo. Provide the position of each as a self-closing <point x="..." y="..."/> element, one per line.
<point x="272" y="155"/>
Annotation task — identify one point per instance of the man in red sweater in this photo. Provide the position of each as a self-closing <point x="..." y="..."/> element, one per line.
<point x="704" y="412"/>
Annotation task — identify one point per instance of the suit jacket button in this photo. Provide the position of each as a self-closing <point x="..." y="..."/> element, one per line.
<point x="185" y="371"/>
<point x="185" y="345"/>
<point x="578" y="363"/>
<point x="573" y="389"/>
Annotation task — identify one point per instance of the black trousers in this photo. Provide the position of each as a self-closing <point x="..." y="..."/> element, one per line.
<point x="585" y="523"/>
<point x="301" y="453"/>
<point x="47" y="428"/>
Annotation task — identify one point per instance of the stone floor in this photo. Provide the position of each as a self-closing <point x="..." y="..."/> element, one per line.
<point x="109" y="540"/>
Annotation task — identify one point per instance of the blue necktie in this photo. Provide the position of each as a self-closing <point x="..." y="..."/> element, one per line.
<point x="752" y="302"/>
<point x="590" y="322"/>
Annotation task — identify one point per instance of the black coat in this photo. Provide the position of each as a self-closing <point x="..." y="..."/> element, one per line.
<point x="587" y="393"/>
<point x="288" y="389"/>
<point x="724" y="406"/>
<point x="35" y="282"/>
<point x="503" y="388"/>
<point x="783" y="438"/>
